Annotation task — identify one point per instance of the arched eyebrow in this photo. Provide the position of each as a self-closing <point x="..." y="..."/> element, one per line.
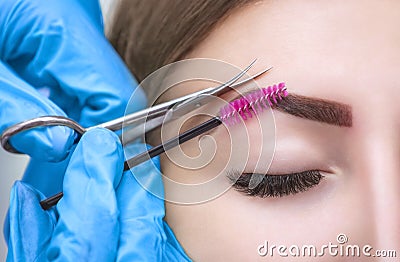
<point x="316" y="109"/>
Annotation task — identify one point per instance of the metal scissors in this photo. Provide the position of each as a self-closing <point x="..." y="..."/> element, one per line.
<point x="141" y="121"/>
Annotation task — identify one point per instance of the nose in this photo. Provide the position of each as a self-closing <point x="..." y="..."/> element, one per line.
<point x="381" y="168"/>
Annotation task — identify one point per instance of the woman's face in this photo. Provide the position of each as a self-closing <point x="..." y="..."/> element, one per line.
<point x="342" y="51"/>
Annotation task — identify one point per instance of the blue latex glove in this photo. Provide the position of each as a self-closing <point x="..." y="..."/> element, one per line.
<point x="55" y="60"/>
<point x="102" y="217"/>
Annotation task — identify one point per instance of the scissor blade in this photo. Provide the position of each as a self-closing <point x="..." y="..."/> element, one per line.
<point x="200" y="100"/>
<point x="162" y="109"/>
<point x="251" y="78"/>
<point x="132" y="133"/>
<point x="150" y="124"/>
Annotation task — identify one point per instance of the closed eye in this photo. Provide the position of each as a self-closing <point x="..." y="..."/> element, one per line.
<point x="264" y="185"/>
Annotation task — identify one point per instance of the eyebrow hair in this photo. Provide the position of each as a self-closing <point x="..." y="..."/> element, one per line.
<point x="316" y="109"/>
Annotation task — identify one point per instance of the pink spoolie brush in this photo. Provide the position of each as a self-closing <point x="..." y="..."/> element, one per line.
<point x="252" y="103"/>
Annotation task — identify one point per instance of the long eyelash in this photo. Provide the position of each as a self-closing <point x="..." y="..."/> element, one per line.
<point x="275" y="185"/>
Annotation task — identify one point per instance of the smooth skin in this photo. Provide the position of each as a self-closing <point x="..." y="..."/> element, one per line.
<point x="344" y="51"/>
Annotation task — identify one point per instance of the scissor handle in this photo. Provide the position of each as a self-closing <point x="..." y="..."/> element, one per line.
<point x="34" y="123"/>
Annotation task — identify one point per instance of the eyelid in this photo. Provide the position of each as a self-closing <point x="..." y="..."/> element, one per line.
<point x="275" y="185"/>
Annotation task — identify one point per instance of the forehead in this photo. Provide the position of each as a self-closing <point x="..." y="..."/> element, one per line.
<point x="317" y="47"/>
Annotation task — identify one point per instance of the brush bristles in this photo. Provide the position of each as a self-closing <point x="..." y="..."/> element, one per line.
<point x="252" y="103"/>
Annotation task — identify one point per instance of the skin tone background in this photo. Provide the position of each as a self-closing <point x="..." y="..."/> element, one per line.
<point x="344" y="51"/>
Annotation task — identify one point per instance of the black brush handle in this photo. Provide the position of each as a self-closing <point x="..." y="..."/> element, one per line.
<point x="155" y="151"/>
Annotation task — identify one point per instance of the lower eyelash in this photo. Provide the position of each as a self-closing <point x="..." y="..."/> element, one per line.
<point x="275" y="185"/>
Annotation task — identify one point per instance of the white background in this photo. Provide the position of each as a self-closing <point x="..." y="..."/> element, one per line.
<point x="12" y="166"/>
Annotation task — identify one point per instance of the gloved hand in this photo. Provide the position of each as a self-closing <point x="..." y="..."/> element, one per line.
<point x="102" y="217"/>
<point x="55" y="60"/>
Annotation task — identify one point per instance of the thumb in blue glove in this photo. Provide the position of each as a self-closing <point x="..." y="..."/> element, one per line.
<point x="88" y="214"/>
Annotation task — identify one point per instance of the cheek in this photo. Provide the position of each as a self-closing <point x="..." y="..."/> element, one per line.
<point x="232" y="226"/>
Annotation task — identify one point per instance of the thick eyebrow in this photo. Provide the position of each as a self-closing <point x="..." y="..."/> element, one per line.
<point x="316" y="109"/>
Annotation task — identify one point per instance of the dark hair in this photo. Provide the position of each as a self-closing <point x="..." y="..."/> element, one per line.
<point x="149" y="34"/>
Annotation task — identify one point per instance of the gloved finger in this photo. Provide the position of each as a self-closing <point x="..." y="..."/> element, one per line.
<point x="20" y="102"/>
<point x="173" y="248"/>
<point x="144" y="234"/>
<point x="88" y="214"/>
<point x="45" y="177"/>
<point x="141" y="213"/>
<point x="31" y="228"/>
<point x="72" y="59"/>
<point x="141" y="235"/>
